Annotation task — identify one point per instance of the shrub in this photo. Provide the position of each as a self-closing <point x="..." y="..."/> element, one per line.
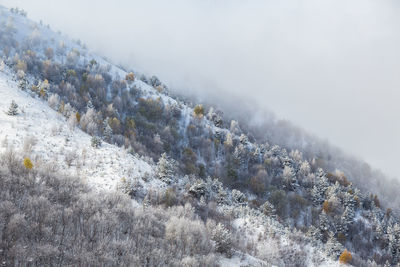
<point x="345" y="257"/>
<point x="28" y="164"/>
<point x="10" y="160"/>
<point x="29" y="143"/>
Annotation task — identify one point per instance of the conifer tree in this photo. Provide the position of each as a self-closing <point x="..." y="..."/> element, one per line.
<point x="268" y="209"/>
<point x="333" y="247"/>
<point x="89" y="105"/>
<point x="13" y="109"/>
<point x="223" y="239"/>
<point x="347" y="219"/>
<point x="107" y="131"/>
<point x="96" y="142"/>
<point x="22" y="84"/>
<point x="165" y="168"/>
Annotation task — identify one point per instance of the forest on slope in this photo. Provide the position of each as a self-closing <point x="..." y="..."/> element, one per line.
<point x="221" y="166"/>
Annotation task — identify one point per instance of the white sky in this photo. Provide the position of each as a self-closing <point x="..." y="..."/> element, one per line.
<point x="331" y="67"/>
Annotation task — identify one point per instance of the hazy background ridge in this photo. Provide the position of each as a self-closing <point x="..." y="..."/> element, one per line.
<point x="331" y="67"/>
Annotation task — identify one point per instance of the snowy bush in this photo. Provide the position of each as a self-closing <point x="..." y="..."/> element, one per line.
<point x="29" y="143"/>
<point x="54" y="101"/>
<point x="95" y="142"/>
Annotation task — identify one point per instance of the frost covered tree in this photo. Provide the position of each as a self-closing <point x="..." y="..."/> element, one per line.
<point x="89" y="105"/>
<point x="107" y="131"/>
<point x="22" y="84"/>
<point x="315" y="233"/>
<point x="333" y="247"/>
<point x="95" y="141"/>
<point x="235" y="129"/>
<point x="394" y="242"/>
<point x="165" y="168"/>
<point x="348" y="200"/>
<point x="305" y="169"/>
<point x="268" y="209"/>
<point x="43" y="87"/>
<point x="319" y="189"/>
<point x="223" y="240"/>
<point x="347" y="219"/>
<point x="199" y="189"/>
<point x="238" y="197"/>
<point x="324" y="224"/>
<point x="13" y="109"/>
<point x="289" y="178"/>
<point x="72" y="122"/>
<point x="88" y="122"/>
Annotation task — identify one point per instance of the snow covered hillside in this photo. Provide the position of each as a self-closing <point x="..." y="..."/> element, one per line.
<point x="197" y="185"/>
<point x="45" y="136"/>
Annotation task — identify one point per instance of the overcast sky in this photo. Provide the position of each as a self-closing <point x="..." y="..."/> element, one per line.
<point x="332" y="67"/>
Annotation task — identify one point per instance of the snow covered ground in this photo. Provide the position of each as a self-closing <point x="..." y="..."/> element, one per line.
<point x="43" y="135"/>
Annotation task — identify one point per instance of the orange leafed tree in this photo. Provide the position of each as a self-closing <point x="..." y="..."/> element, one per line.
<point x="345" y="257"/>
<point x="327" y="207"/>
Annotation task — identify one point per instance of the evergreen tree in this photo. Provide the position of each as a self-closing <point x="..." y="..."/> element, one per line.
<point x="268" y="209"/>
<point x="13" y="109"/>
<point x="347" y="219"/>
<point x="324" y="224"/>
<point x="348" y="200"/>
<point x="289" y="178"/>
<point x="165" y="168"/>
<point x="319" y="189"/>
<point x="22" y="84"/>
<point x="107" y="131"/>
<point x="96" y="142"/>
<point x="317" y="195"/>
<point x="333" y="247"/>
<point x="394" y="242"/>
<point x="89" y="105"/>
<point x="222" y="239"/>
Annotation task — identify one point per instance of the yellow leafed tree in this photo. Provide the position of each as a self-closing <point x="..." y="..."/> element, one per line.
<point x="28" y="164"/>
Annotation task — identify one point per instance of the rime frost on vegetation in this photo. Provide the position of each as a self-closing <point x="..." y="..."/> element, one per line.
<point x="91" y="147"/>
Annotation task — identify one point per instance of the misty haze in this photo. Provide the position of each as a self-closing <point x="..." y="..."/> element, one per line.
<point x="216" y="133"/>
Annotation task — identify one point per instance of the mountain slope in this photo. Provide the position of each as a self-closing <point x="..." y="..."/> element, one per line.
<point x="258" y="195"/>
<point x="45" y="136"/>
